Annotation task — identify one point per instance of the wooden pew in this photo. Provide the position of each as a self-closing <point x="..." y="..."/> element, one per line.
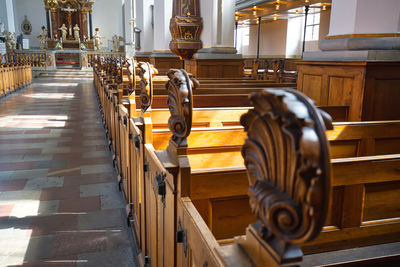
<point x="240" y="199"/>
<point x="223" y="188"/>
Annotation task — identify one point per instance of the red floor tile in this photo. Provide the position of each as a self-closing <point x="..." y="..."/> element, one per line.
<point x="45" y="225"/>
<point x="20" y="151"/>
<point x="12" y="185"/>
<point x="89" y="179"/>
<point x="11" y="132"/>
<point x="79" y="242"/>
<point x="57" y="193"/>
<point x="85" y="204"/>
<point x="42" y="131"/>
<point x="5" y="210"/>
<point x="16" y="166"/>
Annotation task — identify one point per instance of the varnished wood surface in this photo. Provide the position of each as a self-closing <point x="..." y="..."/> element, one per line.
<point x="368" y="88"/>
<point x="215" y="68"/>
<point x="218" y="181"/>
<point x="14" y="76"/>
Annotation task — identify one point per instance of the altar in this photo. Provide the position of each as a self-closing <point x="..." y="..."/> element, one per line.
<point x="69" y="27"/>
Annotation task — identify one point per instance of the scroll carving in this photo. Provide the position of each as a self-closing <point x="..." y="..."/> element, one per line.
<point x="185" y="26"/>
<point x="287" y="159"/>
<point x="180" y="103"/>
<point x="146" y="72"/>
<point x="130" y="66"/>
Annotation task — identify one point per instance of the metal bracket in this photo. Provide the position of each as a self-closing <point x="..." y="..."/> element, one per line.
<point x="147" y="261"/>
<point x="125" y="121"/>
<point x="129" y="211"/>
<point x="137" y="141"/>
<point x="146" y="167"/>
<point x="181" y="237"/>
<point x="120" y="179"/>
<point x="131" y="136"/>
<point x="160" y="186"/>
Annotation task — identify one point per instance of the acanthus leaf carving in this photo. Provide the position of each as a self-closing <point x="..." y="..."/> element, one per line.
<point x="146" y="72"/>
<point x="287" y="159"/>
<point x="180" y="103"/>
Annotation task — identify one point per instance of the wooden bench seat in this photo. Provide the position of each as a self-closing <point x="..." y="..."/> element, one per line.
<point x="347" y="139"/>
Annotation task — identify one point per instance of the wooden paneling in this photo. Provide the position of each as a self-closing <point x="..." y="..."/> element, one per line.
<point x="217" y="68"/>
<point x="312" y="88"/>
<point x="384" y="100"/>
<point x="370" y="89"/>
<point x="335" y="207"/>
<point x="340" y="91"/>
<point x="230" y="217"/>
<point x="382" y="201"/>
<point x="163" y="64"/>
<point x="343" y="149"/>
<point x="333" y="84"/>
<point x="387" y="146"/>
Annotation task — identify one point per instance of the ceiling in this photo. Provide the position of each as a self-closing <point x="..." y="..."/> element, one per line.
<point x="248" y="11"/>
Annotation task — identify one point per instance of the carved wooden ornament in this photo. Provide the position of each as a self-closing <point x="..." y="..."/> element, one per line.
<point x="146" y="72"/>
<point x="185" y="27"/>
<point x="133" y="66"/>
<point x="180" y="103"/>
<point x="287" y="159"/>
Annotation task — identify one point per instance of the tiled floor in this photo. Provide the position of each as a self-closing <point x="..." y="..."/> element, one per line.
<point x="59" y="199"/>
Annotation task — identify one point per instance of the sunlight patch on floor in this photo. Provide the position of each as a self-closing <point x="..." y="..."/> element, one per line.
<point x="14" y="243"/>
<point x="51" y="95"/>
<point x="33" y="121"/>
<point x="25" y="208"/>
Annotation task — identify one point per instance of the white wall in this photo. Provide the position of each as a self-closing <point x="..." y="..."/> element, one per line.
<point x="107" y="16"/>
<point x="36" y="14"/>
<point x="3" y="13"/>
<point x="162" y="16"/>
<point x="272" y="39"/>
<point x="143" y="22"/>
<point x="377" y="16"/>
<point x="364" y="16"/>
<point x="294" y="37"/>
<point x="209" y="13"/>
<point x="343" y="17"/>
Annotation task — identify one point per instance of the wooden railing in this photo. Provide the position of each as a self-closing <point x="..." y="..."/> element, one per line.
<point x="15" y="73"/>
<point x="278" y="70"/>
<point x="92" y="55"/>
<point x="36" y="58"/>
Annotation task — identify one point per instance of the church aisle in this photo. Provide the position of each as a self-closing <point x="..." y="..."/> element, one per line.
<point x="59" y="198"/>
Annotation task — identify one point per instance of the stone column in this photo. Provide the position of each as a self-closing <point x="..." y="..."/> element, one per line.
<point x="162" y="16"/>
<point x="84" y="30"/>
<point x="129" y="26"/>
<point x="218" y="58"/>
<point x="162" y="57"/>
<point x="218" y="29"/>
<point x="144" y="23"/>
<point x="10" y="15"/>
<point x="90" y="24"/>
<point x="365" y="29"/>
<point x="54" y="24"/>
